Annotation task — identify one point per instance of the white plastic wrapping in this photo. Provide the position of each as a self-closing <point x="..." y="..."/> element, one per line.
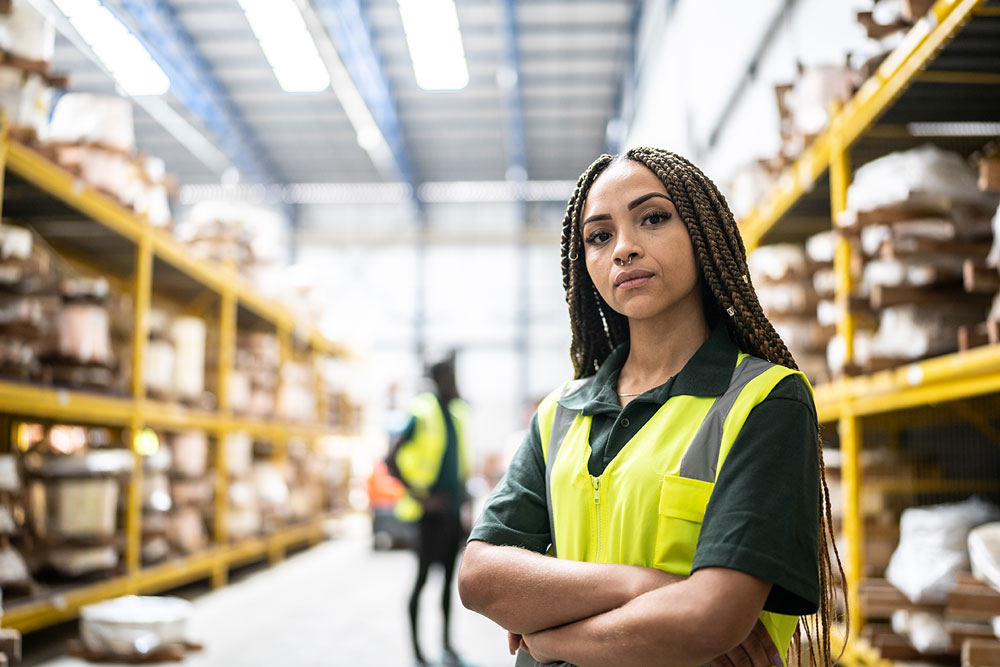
<point x="78" y="508"/>
<point x="10" y="478"/>
<point x="15" y="242"/>
<point x="13" y="569"/>
<point x="984" y="553"/>
<point x="810" y="99"/>
<point x="928" y="633"/>
<point x="777" y="262"/>
<point x="926" y="175"/>
<point x="25" y="99"/>
<point x="821" y="247"/>
<point x="239" y="391"/>
<point x="994" y="257"/>
<point x="913" y="332"/>
<point x="131" y="624"/>
<point x="25" y="33"/>
<point x="190" y="453"/>
<point x="788" y="297"/>
<point x="188" y="335"/>
<point x="159" y="366"/>
<point x="186" y="530"/>
<point x="84" y="333"/>
<point x="90" y="118"/>
<point x="933" y="547"/>
<point x="239" y="454"/>
<point x="76" y="561"/>
<point x="7" y="524"/>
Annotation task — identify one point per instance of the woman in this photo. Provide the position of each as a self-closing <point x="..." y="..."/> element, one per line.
<point x="678" y="479"/>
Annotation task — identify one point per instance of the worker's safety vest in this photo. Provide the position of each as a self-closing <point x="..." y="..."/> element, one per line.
<point x="419" y="459"/>
<point x="671" y="465"/>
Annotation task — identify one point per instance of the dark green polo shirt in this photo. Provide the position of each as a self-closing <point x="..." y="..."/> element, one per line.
<point x="763" y="515"/>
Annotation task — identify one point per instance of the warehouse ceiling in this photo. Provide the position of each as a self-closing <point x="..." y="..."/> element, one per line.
<point x="570" y="59"/>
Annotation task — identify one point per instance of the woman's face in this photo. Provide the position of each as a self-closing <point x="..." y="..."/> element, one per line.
<point x="636" y="246"/>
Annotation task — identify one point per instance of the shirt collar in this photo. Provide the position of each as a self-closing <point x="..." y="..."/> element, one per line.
<point x="707" y="373"/>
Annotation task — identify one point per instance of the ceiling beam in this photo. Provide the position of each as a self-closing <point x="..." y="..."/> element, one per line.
<point x="196" y="87"/>
<point x="510" y="88"/>
<point x="350" y="31"/>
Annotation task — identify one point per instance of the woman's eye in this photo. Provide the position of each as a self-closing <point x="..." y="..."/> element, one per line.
<point x="657" y="217"/>
<point x="598" y="237"/>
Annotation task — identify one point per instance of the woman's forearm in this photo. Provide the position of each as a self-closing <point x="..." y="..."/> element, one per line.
<point x="526" y="592"/>
<point x="687" y="624"/>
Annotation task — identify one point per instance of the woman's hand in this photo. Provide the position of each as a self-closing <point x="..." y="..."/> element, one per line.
<point x="757" y="650"/>
<point x="513" y="642"/>
<point x="534" y="645"/>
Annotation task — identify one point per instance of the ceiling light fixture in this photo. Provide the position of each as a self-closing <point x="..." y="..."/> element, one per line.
<point x="118" y="49"/>
<point x="435" y="43"/>
<point x="287" y="45"/>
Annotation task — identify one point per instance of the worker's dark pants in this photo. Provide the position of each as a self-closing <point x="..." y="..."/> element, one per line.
<point x="439" y="541"/>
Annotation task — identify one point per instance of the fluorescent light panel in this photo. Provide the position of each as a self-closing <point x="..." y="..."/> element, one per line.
<point x="949" y="129"/>
<point x="287" y="45"/>
<point x="435" y="43"/>
<point x="116" y="47"/>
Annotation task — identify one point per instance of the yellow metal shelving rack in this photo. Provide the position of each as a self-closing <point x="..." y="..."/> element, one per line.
<point x="106" y="236"/>
<point x="917" y="60"/>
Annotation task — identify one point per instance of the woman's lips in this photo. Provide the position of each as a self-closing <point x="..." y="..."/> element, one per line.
<point x="632" y="279"/>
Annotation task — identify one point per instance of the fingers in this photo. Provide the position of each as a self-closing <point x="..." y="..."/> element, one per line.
<point x="513" y="642"/>
<point x="722" y="661"/>
<point x="760" y="648"/>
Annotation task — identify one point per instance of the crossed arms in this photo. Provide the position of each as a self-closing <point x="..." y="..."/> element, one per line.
<point x="595" y="614"/>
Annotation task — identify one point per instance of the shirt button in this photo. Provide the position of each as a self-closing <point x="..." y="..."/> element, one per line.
<point x="625" y="423"/>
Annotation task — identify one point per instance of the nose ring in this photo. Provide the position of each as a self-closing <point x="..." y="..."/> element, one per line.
<point x="621" y="262"/>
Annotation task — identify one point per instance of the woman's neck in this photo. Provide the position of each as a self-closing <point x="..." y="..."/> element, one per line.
<point x="659" y="348"/>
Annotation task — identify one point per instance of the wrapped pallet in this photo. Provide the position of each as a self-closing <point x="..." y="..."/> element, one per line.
<point x="915" y="218"/>
<point x="188" y="337"/>
<point x="96" y="120"/>
<point x="159" y="366"/>
<point x="783" y="279"/>
<point x="257" y="357"/>
<point x="73" y="504"/>
<point x="189" y="453"/>
<point x="26" y="34"/>
<point x="296" y="392"/>
<point x="25" y="101"/>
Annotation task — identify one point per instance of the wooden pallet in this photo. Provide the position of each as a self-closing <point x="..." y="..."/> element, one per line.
<point x="166" y="653"/>
<point x="981" y="653"/>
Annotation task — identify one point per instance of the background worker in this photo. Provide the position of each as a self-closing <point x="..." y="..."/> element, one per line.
<point x="432" y="459"/>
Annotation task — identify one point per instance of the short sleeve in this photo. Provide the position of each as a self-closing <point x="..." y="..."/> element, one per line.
<point x="763" y="516"/>
<point x="515" y="513"/>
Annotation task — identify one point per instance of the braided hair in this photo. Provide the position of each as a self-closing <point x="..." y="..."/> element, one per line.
<point x="727" y="295"/>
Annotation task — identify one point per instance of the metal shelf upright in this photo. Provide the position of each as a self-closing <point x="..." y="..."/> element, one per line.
<point x="98" y="232"/>
<point x="946" y="69"/>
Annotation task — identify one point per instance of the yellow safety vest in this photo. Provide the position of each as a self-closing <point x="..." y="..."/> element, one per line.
<point x="671" y="464"/>
<point x="419" y="459"/>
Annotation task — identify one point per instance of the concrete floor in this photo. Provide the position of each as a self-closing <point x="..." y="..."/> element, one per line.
<point x="338" y="603"/>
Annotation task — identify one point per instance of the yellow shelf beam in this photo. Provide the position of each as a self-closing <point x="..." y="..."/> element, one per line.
<point x="64" y="606"/>
<point x="906" y="62"/>
<point x="50" y="403"/>
<point x="69" y="189"/>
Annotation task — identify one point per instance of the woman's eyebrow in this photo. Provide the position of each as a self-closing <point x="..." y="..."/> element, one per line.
<point x="639" y="200"/>
<point x="595" y="218"/>
<point x="632" y="204"/>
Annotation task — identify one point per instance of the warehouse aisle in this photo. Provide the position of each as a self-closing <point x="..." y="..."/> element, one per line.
<point x="338" y="603"/>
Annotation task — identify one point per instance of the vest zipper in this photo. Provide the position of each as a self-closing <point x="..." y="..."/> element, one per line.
<point x="596" y="482"/>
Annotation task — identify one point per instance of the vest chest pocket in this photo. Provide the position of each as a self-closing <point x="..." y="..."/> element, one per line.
<point x="681" y="511"/>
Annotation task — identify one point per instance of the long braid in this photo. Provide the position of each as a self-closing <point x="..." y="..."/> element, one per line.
<point x="728" y="293"/>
